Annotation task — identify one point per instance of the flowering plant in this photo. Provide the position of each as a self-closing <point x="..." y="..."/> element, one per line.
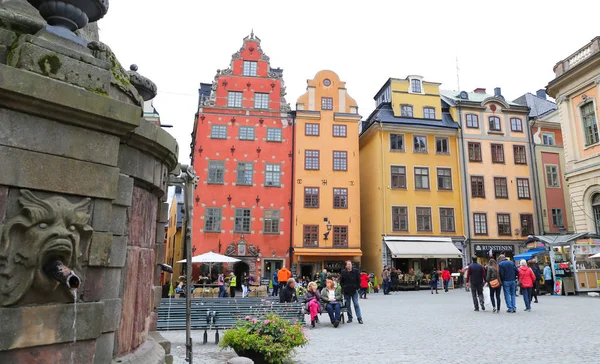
<point x="274" y="338"/>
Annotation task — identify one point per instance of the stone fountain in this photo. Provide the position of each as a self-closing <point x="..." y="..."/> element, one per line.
<point x="82" y="192"/>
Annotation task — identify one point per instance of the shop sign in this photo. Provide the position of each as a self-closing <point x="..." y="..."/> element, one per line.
<point x="494" y="248"/>
<point x="585" y="249"/>
<point x="535" y="244"/>
<point x="588" y="241"/>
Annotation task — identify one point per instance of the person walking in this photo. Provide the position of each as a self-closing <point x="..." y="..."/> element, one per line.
<point x="332" y="298"/>
<point x="312" y="298"/>
<point x="364" y="284"/>
<point x="526" y="279"/>
<point x="288" y="293"/>
<point x="232" y="284"/>
<point x="434" y="281"/>
<point x="548" y="283"/>
<point x="538" y="276"/>
<point x="446" y="277"/>
<point x="508" y="277"/>
<point x="221" y="284"/>
<point x="493" y="280"/>
<point x="275" y="282"/>
<point x="245" y="283"/>
<point x="475" y="279"/>
<point x="385" y="275"/>
<point x="394" y="280"/>
<point x="350" y="282"/>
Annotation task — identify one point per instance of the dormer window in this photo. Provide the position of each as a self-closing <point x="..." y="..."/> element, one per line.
<point x="415" y="86"/>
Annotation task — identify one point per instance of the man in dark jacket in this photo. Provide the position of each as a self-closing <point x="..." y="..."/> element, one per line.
<point x="350" y="282"/>
<point x="476" y="279"/>
<point x="508" y="276"/>
<point x="288" y="293"/>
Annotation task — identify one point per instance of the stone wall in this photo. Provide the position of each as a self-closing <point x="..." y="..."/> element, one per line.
<point x="83" y="180"/>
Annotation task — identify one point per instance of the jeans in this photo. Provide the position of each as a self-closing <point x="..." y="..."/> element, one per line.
<point x="363" y="292"/>
<point x="510" y="294"/>
<point x="386" y="286"/>
<point x="446" y="283"/>
<point x="477" y="291"/>
<point x="221" y="291"/>
<point x="495" y="297"/>
<point x="275" y="291"/>
<point x="354" y="299"/>
<point x="333" y="307"/>
<point x="526" y="292"/>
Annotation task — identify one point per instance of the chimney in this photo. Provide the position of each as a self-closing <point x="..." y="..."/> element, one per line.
<point x="541" y="93"/>
<point x="498" y="92"/>
<point x="479" y="90"/>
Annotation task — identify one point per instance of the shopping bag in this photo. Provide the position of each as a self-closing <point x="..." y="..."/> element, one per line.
<point x="486" y="296"/>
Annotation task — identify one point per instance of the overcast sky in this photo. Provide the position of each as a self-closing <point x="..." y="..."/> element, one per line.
<point x="509" y="44"/>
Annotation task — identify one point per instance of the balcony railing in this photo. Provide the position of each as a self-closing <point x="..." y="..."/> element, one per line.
<point x="582" y="54"/>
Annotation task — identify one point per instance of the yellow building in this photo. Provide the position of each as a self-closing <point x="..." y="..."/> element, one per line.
<point x="497" y="169"/>
<point x="174" y="249"/>
<point x="411" y="194"/>
<point x="326" y="176"/>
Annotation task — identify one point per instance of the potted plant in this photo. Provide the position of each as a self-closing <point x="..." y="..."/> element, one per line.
<point x="270" y="340"/>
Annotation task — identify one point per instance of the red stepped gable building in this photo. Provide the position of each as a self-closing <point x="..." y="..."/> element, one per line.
<point x="242" y="154"/>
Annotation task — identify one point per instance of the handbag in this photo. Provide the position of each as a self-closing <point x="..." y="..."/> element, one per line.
<point x="494" y="283"/>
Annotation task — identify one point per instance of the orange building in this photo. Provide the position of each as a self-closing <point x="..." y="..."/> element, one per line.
<point x="242" y="154"/>
<point x="326" y="175"/>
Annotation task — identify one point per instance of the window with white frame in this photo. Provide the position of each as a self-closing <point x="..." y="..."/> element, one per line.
<point x="271" y="222"/>
<point x="428" y="112"/>
<point x="212" y="219"/>
<point x="557" y="218"/>
<point x="246" y="133"/>
<point x="273" y="134"/>
<point x="590" y="127"/>
<point x="250" y="68"/>
<point x="273" y="175"/>
<point x="415" y="86"/>
<point x="552" y="176"/>
<point x="406" y="110"/>
<point x="244" y="173"/>
<point x="261" y="100"/>
<point x="234" y="99"/>
<point x="397" y="142"/>
<point x="441" y="146"/>
<point x="547" y="138"/>
<point x="420" y="144"/>
<point x="218" y="131"/>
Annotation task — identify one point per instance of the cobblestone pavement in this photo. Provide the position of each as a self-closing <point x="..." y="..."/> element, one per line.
<point x="417" y="327"/>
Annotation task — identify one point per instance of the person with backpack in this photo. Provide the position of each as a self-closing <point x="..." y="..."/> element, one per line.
<point x="434" y="281"/>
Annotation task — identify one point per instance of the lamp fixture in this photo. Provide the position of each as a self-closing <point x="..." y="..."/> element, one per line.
<point x="328" y="226"/>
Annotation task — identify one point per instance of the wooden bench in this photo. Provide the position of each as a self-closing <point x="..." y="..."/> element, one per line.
<point x="222" y="315"/>
<point x="305" y="310"/>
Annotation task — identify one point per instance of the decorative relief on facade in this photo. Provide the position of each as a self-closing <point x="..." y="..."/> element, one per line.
<point x="45" y="231"/>
<point x="230" y="249"/>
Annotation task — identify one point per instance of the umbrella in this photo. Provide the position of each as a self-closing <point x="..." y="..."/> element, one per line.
<point x="595" y="256"/>
<point x="211" y="257"/>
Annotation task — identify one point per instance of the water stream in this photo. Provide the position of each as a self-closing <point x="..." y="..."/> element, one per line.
<point x="74" y="325"/>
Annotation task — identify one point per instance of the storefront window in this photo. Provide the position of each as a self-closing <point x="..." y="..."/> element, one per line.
<point x="596" y="207"/>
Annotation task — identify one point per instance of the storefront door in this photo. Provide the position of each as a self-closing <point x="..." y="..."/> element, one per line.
<point x="270" y="267"/>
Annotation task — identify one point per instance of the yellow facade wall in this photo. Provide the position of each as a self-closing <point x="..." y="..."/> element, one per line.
<point x="344" y="112"/>
<point x="430" y="97"/>
<point x="174" y="247"/>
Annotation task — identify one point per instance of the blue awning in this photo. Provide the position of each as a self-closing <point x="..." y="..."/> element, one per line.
<point x="529" y="254"/>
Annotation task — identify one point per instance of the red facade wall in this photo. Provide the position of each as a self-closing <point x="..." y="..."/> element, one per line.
<point x="228" y="196"/>
<point x="555" y="197"/>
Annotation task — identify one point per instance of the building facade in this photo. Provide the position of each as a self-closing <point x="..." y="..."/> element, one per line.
<point x="576" y="91"/>
<point x="553" y="210"/>
<point x="326" y="175"/>
<point x="497" y="167"/>
<point x="174" y="250"/>
<point x="242" y="154"/>
<point x="411" y="196"/>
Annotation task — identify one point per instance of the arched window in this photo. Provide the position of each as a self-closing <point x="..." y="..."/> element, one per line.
<point x="596" y="209"/>
<point x="590" y="127"/>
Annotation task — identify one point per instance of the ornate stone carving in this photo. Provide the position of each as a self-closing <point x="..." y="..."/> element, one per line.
<point x="236" y="55"/>
<point x="252" y="250"/>
<point x="45" y="231"/>
<point x="145" y="87"/>
<point x="230" y="249"/>
<point x="226" y="72"/>
<point x="71" y="14"/>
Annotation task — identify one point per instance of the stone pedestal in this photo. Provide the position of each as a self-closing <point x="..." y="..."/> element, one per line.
<point x="77" y="162"/>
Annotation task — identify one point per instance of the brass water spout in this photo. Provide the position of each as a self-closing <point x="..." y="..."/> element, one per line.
<point x="57" y="270"/>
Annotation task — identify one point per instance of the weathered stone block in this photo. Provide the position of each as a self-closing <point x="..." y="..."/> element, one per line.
<point x="102" y="215"/>
<point x="101" y="283"/>
<point x="128" y="312"/>
<point x="119" y="220"/>
<point x="143" y="302"/>
<point x="100" y="249"/>
<point x="149" y="353"/>
<point x="160" y="233"/>
<point x="23" y="131"/>
<point x="104" y="348"/>
<point x="156" y="296"/>
<point x="112" y="315"/>
<point x="166" y="344"/>
<point x="124" y="191"/>
<point x="163" y="216"/>
<point x="142" y="219"/>
<point x="3" y="200"/>
<point x="136" y="163"/>
<point x="26" y="169"/>
<point x="118" y="251"/>
<point x="28" y="326"/>
<point x="153" y="325"/>
<point x="80" y="352"/>
<point x="169" y="359"/>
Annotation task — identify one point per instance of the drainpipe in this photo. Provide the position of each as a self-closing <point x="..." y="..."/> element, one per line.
<point x="465" y="185"/>
<point x="537" y="195"/>
<point x="292" y="211"/>
<point x="383" y="194"/>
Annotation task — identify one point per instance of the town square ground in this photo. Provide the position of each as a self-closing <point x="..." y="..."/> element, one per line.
<point x="417" y="327"/>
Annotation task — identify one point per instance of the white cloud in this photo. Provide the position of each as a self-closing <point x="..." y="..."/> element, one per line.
<point x="509" y="44"/>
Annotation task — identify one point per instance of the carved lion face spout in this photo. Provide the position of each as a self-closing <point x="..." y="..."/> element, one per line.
<point x="44" y="232"/>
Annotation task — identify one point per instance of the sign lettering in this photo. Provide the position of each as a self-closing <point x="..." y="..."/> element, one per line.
<point x="494" y="248"/>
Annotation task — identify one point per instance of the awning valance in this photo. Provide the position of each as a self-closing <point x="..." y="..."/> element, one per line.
<point x="421" y="247"/>
<point x="349" y="252"/>
<point x="530" y="254"/>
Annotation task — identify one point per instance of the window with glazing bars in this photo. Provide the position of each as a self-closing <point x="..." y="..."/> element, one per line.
<point x="310" y="235"/>
<point x="421" y="178"/>
<point x="340" y="236"/>
<point x="311" y="129"/>
<point x="212" y="219"/>
<point x="423" y="219"/>
<point x="250" y="68"/>
<point x="590" y="127"/>
<point x="311" y="197"/>
<point x="399" y="218"/>
<point x="234" y="99"/>
<point x="523" y="188"/>
<point x="398" y="176"/>
<point x="339" y="131"/>
<point x="500" y="187"/>
<point x="218" y="132"/>
<point x="243" y="218"/>
<point x="274" y="134"/>
<point x="429" y="113"/>
<point x="444" y="176"/>
<point x="216" y="172"/>
<point x="497" y="153"/>
<point x="520" y="155"/>
<point x="495" y="123"/>
<point x="246" y="133"/>
<point x="340" y="198"/>
<point x="271" y="222"/>
<point x="480" y="223"/>
<point x="447" y="219"/>
<point x="261" y="100"/>
<point x="311" y="159"/>
<point x="326" y="103"/>
<point x="340" y="160"/>
<point x="273" y="175"/>
<point x="244" y="173"/>
<point x="504" y="224"/>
